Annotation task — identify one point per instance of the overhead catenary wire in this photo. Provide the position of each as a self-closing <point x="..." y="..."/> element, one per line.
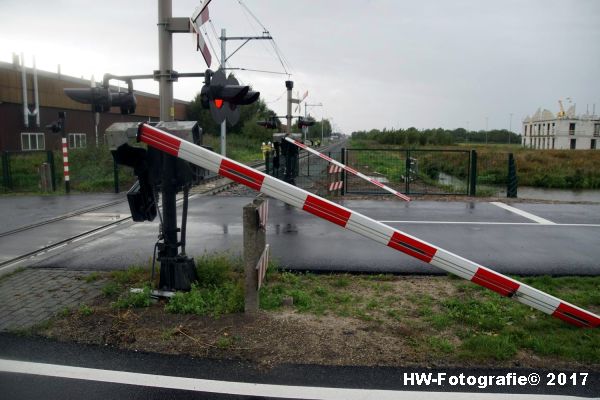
<point x="278" y="98"/>
<point x="212" y="48"/>
<point x="253" y="28"/>
<point x="282" y="60"/>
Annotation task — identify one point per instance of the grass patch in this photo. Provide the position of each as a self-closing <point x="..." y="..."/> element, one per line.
<point x="212" y="300"/>
<point x="133" y="300"/>
<point x="469" y="322"/>
<point x="219" y="289"/>
<point x="93" y="277"/>
<point x="85" y="310"/>
<point x="453" y="319"/>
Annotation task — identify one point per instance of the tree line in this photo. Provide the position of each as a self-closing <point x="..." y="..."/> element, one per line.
<point x="437" y="137"/>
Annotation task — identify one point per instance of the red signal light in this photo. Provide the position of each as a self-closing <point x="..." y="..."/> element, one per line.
<point x="219" y="103"/>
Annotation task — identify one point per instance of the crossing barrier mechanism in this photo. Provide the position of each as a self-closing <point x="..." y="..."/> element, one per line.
<point x="348" y="169"/>
<point x="368" y="227"/>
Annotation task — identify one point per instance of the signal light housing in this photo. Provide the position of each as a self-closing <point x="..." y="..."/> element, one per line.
<point x="302" y="122"/>
<point x="102" y="99"/>
<point x="223" y="95"/>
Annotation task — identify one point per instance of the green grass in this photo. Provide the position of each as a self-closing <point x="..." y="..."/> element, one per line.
<point x="447" y="315"/>
<point x="239" y="147"/>
<point x="85" y="310"/>
<point x="219" y="289"/>
<point x="93" y="277"/>
<point x="133" y="300"/>
<point x="474" y="323"/>
<point x="565" y="169"/>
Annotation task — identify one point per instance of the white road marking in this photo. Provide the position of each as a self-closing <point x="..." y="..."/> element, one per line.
<point x="243" y="388"/>
<point x="522" y="213"/>
<point x="485" y="223"/>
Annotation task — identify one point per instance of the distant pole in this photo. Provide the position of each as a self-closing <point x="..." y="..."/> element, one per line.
<point x="223" y="60"/>
<point x="321" y="129"/>
<point x="486" y="130"/>
<point x="289" y="86"/>
<point x="509" y="128"/>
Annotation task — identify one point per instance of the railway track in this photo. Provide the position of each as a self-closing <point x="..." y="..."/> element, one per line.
<point x="210" y="185"/>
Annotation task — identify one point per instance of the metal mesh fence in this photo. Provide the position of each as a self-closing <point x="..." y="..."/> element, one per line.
<point x="410" y="171"/>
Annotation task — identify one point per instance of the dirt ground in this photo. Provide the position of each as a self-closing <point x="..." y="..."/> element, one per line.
<point x="284" y="336"/>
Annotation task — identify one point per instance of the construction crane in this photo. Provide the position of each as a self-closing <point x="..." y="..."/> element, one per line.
<point x="561" y="113"/>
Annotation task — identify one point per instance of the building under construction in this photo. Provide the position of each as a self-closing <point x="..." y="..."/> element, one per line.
<point x="565" y="130"/>
<point x="31" y="99"/>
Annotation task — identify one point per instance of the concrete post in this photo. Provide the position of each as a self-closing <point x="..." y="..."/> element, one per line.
<point x="45" y="177"/>
<point x="254" y="244"/>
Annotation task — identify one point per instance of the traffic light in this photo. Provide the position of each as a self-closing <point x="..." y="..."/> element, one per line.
<point x="302" y="122"/>
<point x="141" y="197"/>
<point x="102" y="99"/>
<point x="271" y="123"/>
<point x="223" y="96"/>
<point x="58" y="125"/>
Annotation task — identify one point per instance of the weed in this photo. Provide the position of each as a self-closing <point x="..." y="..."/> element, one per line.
<point x="93" y="277"/>
<point x="224" y="342"/>
<point x="214" y="301"/>
<point x="85" y="310"/>
<point x="215" y="270"/>
<point x="110" y="289"/>
<point x="133" y="300"/>
<point x="65" y="312"/>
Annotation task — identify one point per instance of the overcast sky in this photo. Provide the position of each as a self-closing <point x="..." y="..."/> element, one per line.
<point x="372" y="63"/>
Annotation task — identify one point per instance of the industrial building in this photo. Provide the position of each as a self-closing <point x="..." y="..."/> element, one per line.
<point x="565" y="130"/>
<point x="31" y="99"/>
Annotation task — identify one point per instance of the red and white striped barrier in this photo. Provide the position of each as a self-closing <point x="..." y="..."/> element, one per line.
<point x="263" y="214"/>
<point x="333" y="186"/>
<point x="367" y="227"/>
<point x="262" y="265"/>
<point x="334" y="169"/>
<point x="65" y="153"/>
<point x="351" y="170"/>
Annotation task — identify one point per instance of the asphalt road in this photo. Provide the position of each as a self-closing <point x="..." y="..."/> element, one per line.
<point x="556" y="239"/>
<point x="94" y="372"/>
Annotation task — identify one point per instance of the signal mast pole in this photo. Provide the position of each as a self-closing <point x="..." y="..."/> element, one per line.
<point x="224" y="59"/>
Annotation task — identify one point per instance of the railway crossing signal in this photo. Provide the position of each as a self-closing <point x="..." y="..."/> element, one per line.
<point x="223" y="96"/>
<point x="302" y="122"/>
<point x="103" y="98"/>
<point x="270" y="123"/>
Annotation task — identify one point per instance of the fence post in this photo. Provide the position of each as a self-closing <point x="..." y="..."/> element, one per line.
<point x="6" y="170"/>
<point x="473" y="174"/>
<point x="254" y="245"/>
<point x="50" y="158"/>
<point x="407" y="173"/>
<point x="511" y="188"/>
<point x="344" y="188"/>
<point x="45" y="177"/>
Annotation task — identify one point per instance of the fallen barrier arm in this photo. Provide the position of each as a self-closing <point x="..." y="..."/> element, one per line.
<point x="367" y="227"/>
